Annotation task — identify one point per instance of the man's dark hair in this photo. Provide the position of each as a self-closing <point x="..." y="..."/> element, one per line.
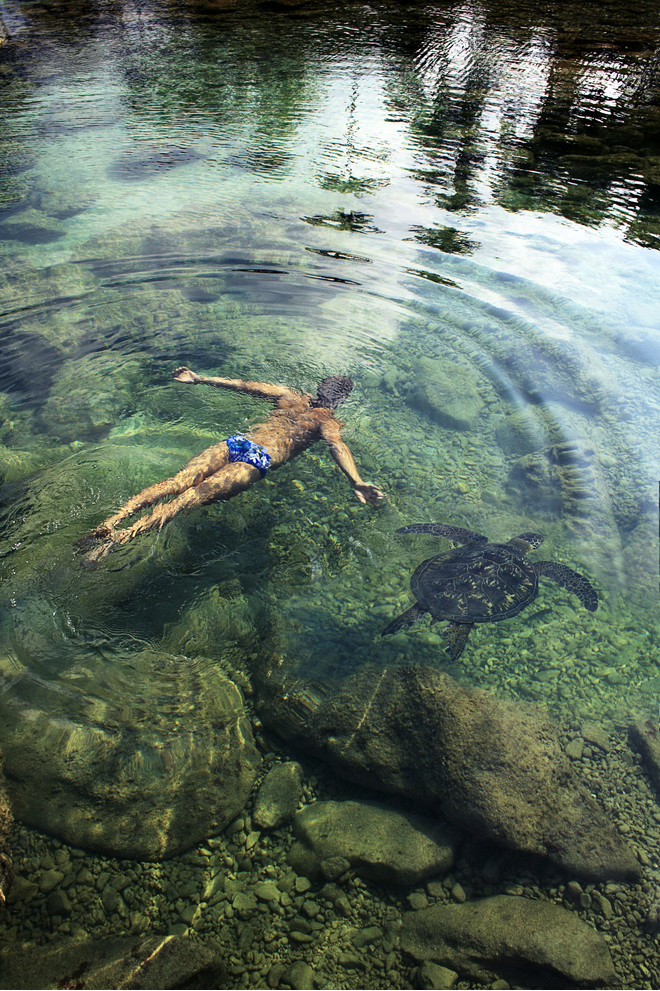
<point x="332" y="391"/>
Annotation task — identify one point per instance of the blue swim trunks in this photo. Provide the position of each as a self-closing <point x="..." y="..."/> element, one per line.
<point x="242" y="449"/>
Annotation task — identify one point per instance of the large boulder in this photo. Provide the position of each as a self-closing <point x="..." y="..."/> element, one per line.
<point x="534" y="944"/>
<point x="380" y="843"/>
<point x="143" y="789"/>
<point x="491" y="766"/>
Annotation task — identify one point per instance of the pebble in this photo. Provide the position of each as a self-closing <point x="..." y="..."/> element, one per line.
<point x="365" y="936"/>
<point x="575" y="748"/>
<point x="298" y="937"/>
<point x="299" y="976"/>
<point x="49" y="880"/>
<point x="435" y="977"/>
<point x="457" y="893"/>
<point x="417" y="900"/>
<point x="602" y="903"/>
<point x="110" y="898"/>
<point x="267" y="891"/>
<point x="244" y="902"/>
<point x="352" y="961"/>
<point x="58" y="903"/>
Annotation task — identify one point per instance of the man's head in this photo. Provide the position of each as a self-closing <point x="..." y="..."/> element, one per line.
<point x="332" y="391"/>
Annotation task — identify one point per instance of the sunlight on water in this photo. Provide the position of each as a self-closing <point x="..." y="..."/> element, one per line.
<point x="458" y="207"/>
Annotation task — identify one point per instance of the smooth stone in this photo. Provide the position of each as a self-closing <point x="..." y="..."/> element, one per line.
<point x="22" y="890"/>
<point x="380" y="843"/>
<point x="506" y="936"/>
<point x="575" y="748"/>
<point x="58" y="903"/>
<point x="371" y="934"/>
<point x="266" y="891"/>
<point x="447" y="393"/>
<point x="244" y="902"/>
<point x="595" y="734"/>
<point x="435" y="977"/>
<point x="50" y="880"/>
<point x="278" y="796"/>
<point x="299" y="976"/>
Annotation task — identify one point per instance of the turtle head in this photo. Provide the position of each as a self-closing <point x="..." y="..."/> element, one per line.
<point x="526" y="542"/>
<point x="332" y="391"/>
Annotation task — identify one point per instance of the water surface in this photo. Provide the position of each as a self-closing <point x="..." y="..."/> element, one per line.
<point x="457" y="205"/>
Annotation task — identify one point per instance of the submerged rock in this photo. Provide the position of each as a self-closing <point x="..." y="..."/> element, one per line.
<point x="278" y="796"/>
<point x="144" y="791"/>
<point x="644" y="736"/>
<point x="491" y="766"/>
<point x="447" y="393"/>
<point x="379" y="843"/>
<point x="31" y="227"/>
<point x="145" y="161"/>
<point x="127" y="962"/>
<point x="534" y="944"/>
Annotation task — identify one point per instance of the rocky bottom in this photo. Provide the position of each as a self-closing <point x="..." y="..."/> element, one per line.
<point x="240" y="911"/>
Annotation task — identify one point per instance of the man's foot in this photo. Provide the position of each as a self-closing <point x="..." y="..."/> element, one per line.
<point x="90" y="555"/>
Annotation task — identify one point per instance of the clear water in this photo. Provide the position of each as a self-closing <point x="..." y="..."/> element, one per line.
<point x="464" y="194"/>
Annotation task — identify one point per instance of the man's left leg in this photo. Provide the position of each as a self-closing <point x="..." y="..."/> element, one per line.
<point x="225" y="484"/>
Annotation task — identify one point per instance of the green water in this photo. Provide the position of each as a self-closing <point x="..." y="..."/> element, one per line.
<point x="456" y="205"/>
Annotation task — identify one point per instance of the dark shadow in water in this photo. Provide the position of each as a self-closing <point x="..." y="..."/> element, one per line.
<point x="139" y="163"/>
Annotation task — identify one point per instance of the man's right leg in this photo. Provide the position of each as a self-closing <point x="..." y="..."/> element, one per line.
<point x="233" y="478"/>
<point x="195" y="472"/>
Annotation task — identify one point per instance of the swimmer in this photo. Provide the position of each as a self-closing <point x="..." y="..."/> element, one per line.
<point x="296" y="421"/>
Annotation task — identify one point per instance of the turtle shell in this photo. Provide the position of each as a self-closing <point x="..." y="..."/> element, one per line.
<point x="480" y="583"/>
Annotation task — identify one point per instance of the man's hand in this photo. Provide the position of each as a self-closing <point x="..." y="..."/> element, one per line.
<point x="369" y="493"/>
<point x="184" y="374"/>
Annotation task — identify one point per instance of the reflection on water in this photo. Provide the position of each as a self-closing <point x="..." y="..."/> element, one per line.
<point x="455" y="204"/>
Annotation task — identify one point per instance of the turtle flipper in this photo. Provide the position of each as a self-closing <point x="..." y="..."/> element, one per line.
<point x="455" y="637"/>
<point x="406" y="618"/>
<point x="571" y="580"/>
<point x="442" y="530"/>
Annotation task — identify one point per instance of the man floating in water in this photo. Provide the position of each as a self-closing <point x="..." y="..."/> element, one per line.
<point x="296" y="421"/>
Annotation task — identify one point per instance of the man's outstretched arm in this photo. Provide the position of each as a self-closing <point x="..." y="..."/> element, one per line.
<point x="341" y="453"/>
<point x="261" y="389"/>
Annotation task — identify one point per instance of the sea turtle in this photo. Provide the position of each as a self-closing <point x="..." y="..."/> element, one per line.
<point x="481" y="582"/>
